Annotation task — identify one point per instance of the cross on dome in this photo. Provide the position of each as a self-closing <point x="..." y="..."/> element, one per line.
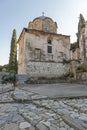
<point x="43" y="13"/>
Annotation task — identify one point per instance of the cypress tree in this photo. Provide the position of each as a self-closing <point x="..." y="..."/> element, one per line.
<point x="81" y="25"/>
<point x="13" y="53"/>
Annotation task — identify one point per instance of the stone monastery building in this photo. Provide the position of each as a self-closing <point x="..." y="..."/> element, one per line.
<point x="42" y="50"/>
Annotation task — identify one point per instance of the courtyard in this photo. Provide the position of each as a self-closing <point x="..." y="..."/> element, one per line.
<point x="61" y="106"/>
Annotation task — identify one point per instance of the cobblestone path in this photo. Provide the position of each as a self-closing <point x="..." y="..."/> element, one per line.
<point x="25" y="110"/>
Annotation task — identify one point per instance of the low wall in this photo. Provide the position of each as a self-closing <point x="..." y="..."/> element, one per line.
<point x="46" y="69"/>
<point x="21" y="78"/>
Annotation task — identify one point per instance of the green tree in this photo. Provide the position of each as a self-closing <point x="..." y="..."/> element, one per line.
<point x="13" y="53"/>
<point x="81" y="25"/>
<point x="5" y="67"/>
<point x="0" y="67"/>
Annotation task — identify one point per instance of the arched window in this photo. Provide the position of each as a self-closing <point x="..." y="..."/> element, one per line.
<point x="49" y="46"/>
<point x="47" y="27"/>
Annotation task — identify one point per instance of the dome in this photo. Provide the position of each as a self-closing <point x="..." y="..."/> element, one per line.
<point x="43" y="23"/>
<point x="42" y="17"/>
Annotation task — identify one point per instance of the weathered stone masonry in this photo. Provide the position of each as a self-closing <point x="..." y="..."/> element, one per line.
<point x="42" y="50"/>
<point x="48" y="69"/>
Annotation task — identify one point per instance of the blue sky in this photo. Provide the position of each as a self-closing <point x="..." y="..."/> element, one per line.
<point x="18" y="13"/>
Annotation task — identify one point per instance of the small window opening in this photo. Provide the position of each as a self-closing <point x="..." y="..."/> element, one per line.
<point x="49" y="47"/>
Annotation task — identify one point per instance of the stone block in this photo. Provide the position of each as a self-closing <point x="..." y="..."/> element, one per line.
<point x="21" y="78"/>
<point x="41" y="126"/>
<point x="26" y="126"/>
<point x="2" y="123"/>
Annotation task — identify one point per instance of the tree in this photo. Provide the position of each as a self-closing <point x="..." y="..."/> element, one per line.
<point x="0" y="67"/>
<point x="81" y="25"/>
<point x="10" y="78"/>
<point x="13" y="54"/>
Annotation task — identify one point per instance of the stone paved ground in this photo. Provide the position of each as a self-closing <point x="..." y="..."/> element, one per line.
<point x="23" y="109"/>
<point x="58" y="90"/>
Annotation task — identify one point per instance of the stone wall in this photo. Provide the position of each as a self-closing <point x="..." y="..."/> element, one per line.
<point x="34" y="47"/>
<point x="46" y="69"/>
<point x="21" y="78"/>
<point x="82" y="76"/>
<point x="60" y="47"/>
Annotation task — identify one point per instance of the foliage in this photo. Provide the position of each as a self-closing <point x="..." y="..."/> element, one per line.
<point x="1" y="67"/>
<point x="74" y="46"/>
<point x="66" y="61"/>
<point x="70" y="60"/>
<point x="81" y="69"/>
<point x="4" y="67"/>
<point x="69" y="74"/>
<point x="5" y="79"/>
<point x="13" y="54"/>
<point x="11" y="78"/>
<point x="81" y="25"/>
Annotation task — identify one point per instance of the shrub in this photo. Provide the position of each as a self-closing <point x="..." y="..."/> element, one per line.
<point x="5" y="79"/>
<point x="11" y="78"/>
<point x="81" y="69"/>
<point x="66" y="61"/>
<point x="69" y="74"/>
<point x="74" y="46"/>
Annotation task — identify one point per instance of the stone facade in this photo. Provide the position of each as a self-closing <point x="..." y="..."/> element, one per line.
<point x="42" y="50"/>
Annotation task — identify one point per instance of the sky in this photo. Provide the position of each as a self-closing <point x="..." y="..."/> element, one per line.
<point x="18" y="13"/>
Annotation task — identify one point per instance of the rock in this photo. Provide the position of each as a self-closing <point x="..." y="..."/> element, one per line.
<point x="83" y="118"/>
<point x="54" y="128"/>
<point x="84" y="125"/>
<point x="46" y="123"/>
<point x="62" y="124"/>
<point x="11" y="126"/>
<point x="41" y="126"/>
<point x="71" y="129"/>
<point x="2" y="123"/>
<point x="62" y="128"/>
<point x="26" y="125"/>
